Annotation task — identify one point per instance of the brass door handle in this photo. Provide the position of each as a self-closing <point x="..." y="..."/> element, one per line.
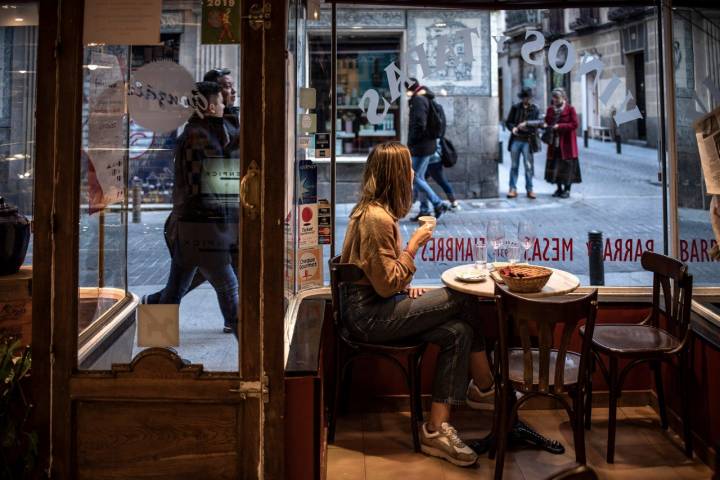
<point x="250" y="190"/>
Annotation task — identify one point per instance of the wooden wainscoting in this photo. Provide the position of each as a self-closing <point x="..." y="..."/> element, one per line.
<point x="145" y="420"/>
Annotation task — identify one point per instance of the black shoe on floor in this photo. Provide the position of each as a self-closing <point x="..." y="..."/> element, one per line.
<point x="565" y="194"/>
<point x="417" y="217"/>
<point x="440" y="209"/>
<point x="557" y="193"/>
<point x="227" y="329"/>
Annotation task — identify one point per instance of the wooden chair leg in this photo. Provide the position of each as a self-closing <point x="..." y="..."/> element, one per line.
<point x="412" y="387"/>
<point x="686" y="376"/>
<point x="418" y="387"/>
<point x="612" y="419"/>
<point x="588" y="392"/>
<point x="502" y="433"/>
<point x="332" y="418"/>
<point x="657" y="371"/>
<point x="577" y="420"/>
<point x="345" y="386"/>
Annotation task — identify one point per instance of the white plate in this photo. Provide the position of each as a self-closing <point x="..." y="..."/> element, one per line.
<point x="471" y="276"/>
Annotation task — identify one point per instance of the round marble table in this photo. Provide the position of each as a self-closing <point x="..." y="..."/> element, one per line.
<point x="560" y="283"/>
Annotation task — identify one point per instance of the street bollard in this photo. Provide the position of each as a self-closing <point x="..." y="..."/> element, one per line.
<point x="585" y="138"/>
<point x="500" y="152"/>
<point x="618" y="145"/>
<point x="595" y="254"/>
<point x="137" y="202"/>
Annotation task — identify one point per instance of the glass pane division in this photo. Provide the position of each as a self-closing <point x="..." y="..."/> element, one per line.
<point x="160" y="191"/>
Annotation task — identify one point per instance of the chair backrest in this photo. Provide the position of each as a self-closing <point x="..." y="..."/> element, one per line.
<point x="340" y="275"/>
<point x="534" y="322"/>
<point x="671" y="278"/>
<point x="582" y="472"/>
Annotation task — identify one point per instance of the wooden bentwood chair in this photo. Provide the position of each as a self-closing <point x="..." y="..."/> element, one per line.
<point x="349" y="349"/>
<point x="647" y="342"/>
<point x="527" y="370"/>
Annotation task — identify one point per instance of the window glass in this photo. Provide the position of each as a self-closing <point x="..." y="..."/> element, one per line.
<point x="160" y="186"/>
<point x="18" y="61"/>
<point x="696" y="58"/>
<point x="600" y="181"/>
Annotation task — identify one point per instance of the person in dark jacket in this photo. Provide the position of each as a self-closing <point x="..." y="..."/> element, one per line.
<point x="231" y="117"/>
<point x="521" y="121"/>
<point x="422" y="146"/>
<point x="563" y="166"/>
<point x="202" y="229"/>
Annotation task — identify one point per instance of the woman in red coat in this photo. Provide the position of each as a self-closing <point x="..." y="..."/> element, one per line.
<point x="562" y="167"/>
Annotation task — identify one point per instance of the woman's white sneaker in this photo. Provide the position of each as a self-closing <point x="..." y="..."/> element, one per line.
<point x="445" y="443"/>
<point x="480" y="399"/>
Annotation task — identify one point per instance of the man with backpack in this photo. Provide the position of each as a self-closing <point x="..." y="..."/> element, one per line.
<point x="426" y="126"/>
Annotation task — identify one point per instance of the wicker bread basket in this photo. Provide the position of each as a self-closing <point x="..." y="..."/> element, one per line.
<point x="525" y="278"/>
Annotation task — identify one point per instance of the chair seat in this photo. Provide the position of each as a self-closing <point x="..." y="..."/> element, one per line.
<point x="394" y="347"/>
<point x="632" y="339"/>
<point x="517" y="366"/>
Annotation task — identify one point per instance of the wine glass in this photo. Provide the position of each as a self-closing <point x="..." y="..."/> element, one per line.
<point x="513" y="252"/>
<point x="480" y="251"/>
<point x="526" y="235"/>
<point x="496" y="235"/>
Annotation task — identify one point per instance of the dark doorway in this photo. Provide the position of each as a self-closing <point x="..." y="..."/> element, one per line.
<point x="638" y="60"/>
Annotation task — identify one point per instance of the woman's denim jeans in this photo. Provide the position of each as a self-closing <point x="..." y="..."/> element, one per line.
<point x="223" y="280"/>
<point x="442" y="316"/>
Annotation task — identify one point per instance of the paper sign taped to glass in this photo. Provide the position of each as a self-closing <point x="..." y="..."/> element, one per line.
<point x="221" y="22"/>
<point x="309" y="267"/>
<point x="707" y="132"/>
<point x="158" y="326"/>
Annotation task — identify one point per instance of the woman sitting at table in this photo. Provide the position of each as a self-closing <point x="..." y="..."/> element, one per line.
<point x="383" y="307"/>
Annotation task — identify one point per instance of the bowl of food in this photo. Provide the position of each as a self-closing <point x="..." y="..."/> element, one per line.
<point x="525" y="278"/>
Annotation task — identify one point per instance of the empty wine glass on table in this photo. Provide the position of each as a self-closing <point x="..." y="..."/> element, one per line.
<point x="480" y="255"/>
<point x="496" y="235"/>
<point x="513" y="252"/>
<point x="526" y="235"/>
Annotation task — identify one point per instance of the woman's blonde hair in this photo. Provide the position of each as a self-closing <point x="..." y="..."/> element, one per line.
<point x="387" y="179"/>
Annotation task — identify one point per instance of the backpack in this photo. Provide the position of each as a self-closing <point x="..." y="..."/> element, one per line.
<point x="435" y="127"/>
<point x="448" y="154"/>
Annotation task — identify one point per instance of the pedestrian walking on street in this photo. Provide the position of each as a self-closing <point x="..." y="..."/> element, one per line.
<point x="231" y="123"/>
<point x="426" y="126"/>
<point x="563" y="166"/>
<point x="436" y="171"/>
<point x="202" y="231"/>
<point x="522" y="121"/>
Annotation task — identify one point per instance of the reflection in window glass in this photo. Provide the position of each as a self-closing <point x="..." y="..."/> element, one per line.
<point x="597" y="173"/>
<point x="160" y="186"/>
<point x="696" y="57"/>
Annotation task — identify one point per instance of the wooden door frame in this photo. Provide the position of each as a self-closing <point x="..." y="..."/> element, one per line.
<point x="56" y="381"/>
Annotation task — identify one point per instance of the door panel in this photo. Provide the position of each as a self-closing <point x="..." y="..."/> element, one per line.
<point x="160" y="416"/>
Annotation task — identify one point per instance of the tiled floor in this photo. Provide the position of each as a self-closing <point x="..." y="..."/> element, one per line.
<point x="379" y="446"/>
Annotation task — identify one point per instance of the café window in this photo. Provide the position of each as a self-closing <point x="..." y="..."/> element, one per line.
<point x="612" y="204"/>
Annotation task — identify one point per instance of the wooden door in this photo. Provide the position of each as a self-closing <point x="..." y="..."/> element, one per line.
<point x="159" y="417"/>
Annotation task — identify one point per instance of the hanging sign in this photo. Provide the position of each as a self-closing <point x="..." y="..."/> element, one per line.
<point x="161" y="96"/>
<point x="220" y="22"/>
<point x="122" y="22"/>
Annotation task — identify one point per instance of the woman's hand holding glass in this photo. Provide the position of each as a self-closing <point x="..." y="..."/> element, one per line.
<point x="420" y="237"/>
